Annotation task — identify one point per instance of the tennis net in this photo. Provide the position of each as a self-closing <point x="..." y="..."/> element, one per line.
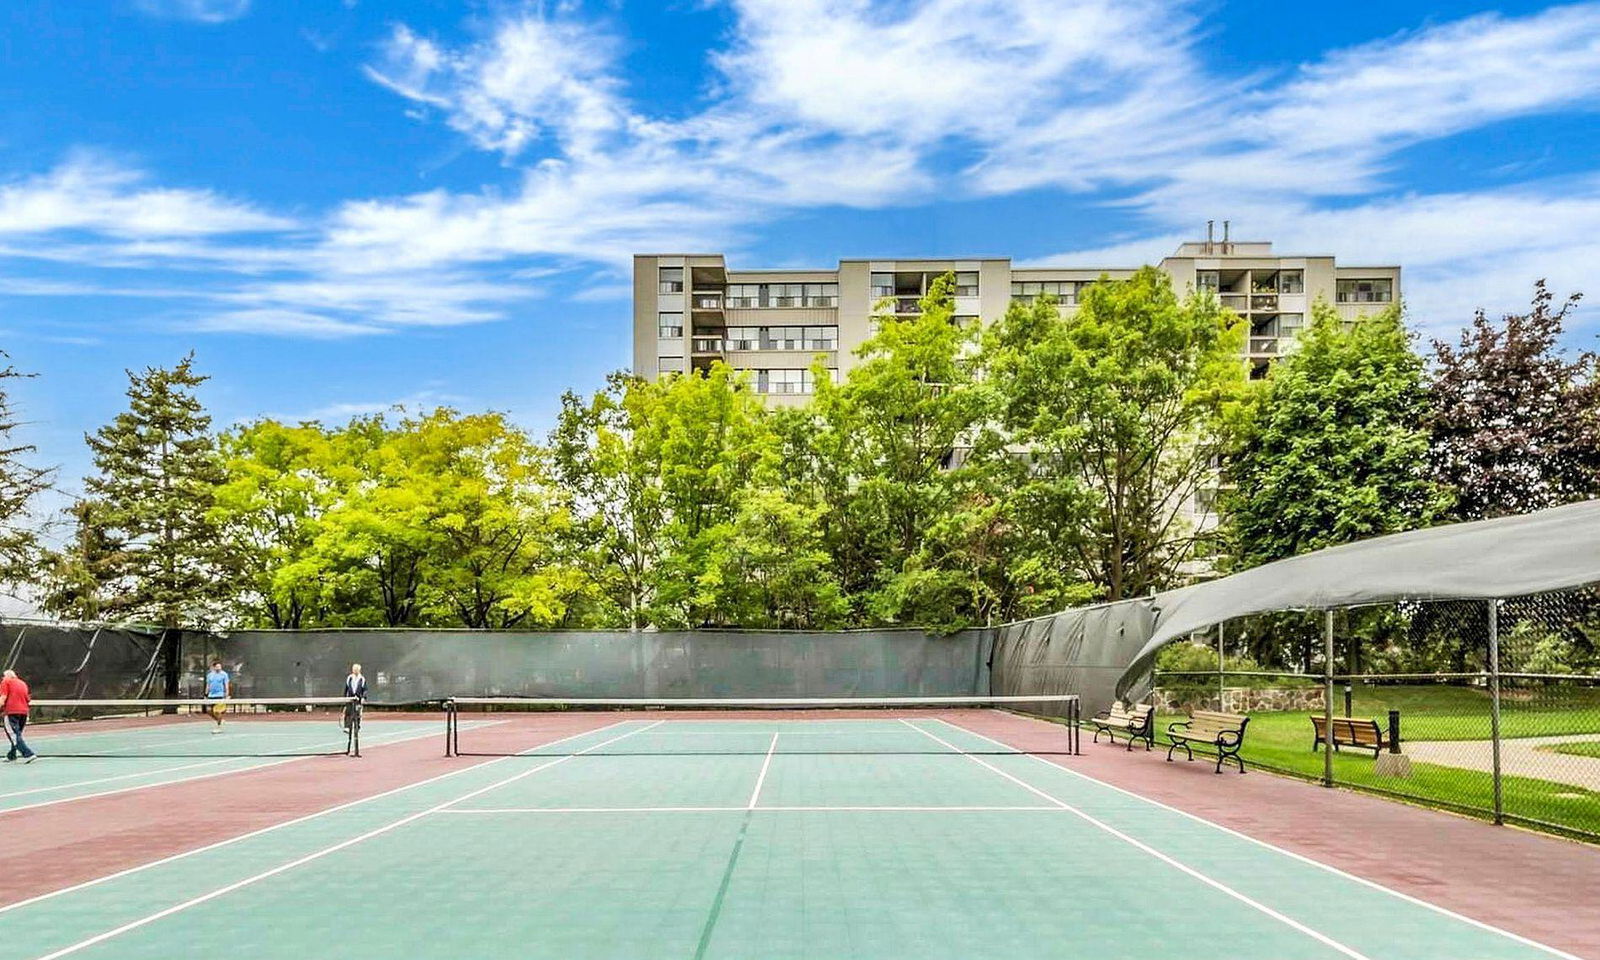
<point x="151" y="728"/>
<point x="510" y="726"/>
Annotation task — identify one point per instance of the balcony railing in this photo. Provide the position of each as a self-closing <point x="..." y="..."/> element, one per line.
<point x="708" y="301"/>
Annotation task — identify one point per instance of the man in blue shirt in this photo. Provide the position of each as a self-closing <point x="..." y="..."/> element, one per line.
<point x="218" y="686"/>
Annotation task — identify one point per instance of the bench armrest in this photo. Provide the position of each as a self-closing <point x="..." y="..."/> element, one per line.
<point x="1174" y="725"/>
<point x="1230" y="738"/>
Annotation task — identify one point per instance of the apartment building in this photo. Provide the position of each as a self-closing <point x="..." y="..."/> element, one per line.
<point x="690" y="309"/>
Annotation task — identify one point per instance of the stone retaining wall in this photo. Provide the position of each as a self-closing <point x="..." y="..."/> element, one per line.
<point x="1241" y="700"/>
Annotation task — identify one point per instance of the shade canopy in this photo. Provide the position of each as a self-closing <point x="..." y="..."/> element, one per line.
<point x="1555" y="549"/>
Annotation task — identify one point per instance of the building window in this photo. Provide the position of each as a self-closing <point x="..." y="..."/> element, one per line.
<point x="882" y="285"/>
<point x="1208" y="280"/>
<point x="744" y="295"/>
<point x="666" y="365"/>
<point x="744" y="338"/>
<point x="781" y="338"/>
<point x="1291" y="281"/>
<point x="671" y="280"/>
<point x="822" y="294"/>
<point x="669" y="326"/>
<point x="822" y="338"/>
<point x="1378" y="290"/>
<point x="1290" y="324"/>
<point x="785" y="381"/>
<point x="1064" y="291"/>
<point x="967" y="283"/>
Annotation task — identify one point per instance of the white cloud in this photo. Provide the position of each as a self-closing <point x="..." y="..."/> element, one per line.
<point x="864" y="103"/>
<point x="533" y="76"/>
<point x="92" y="193"/>
<point x="198" y="11"/>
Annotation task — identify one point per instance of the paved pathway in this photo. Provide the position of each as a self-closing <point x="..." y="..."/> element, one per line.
<point x="1518" y="757"/>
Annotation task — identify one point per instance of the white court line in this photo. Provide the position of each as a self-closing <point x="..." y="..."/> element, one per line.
<point x="1373" y="884"/>
<point x="1152" y="851"/>
<point x="765" y="764"/>
<point x="325" y="851"/>
<point x="490" y="811"/>
<point x="278" y="826"/>
<point x="202" y="776"/>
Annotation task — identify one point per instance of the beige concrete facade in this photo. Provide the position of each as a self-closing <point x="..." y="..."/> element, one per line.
<point x="690" y="309"/>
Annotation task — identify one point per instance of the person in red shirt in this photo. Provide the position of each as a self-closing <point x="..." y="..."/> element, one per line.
<point x="14" y="706"/>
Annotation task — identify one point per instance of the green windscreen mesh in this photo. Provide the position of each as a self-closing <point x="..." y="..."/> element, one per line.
<point x="410" y="665"/>
<point x="1082" y="651"/>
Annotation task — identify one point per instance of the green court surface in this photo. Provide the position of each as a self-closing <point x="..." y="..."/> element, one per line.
<point x="108" y="757"/>
<point x="748" y="839"/>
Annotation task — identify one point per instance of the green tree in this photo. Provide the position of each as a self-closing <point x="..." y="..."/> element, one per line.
<point x="156" y="480"/>
<point x="1334" y="448"/>
<point x="267" y="509"/>
<point x="1120" y="409"/>
<point x="20" y="483"/>
<point x="496" y="562"/>
<point x="885" y="450"/>
<point x="616" y="505"/>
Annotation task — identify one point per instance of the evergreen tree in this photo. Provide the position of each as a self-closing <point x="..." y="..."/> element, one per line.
<point x="20" y="483"/>
<point x="156" y="482"/>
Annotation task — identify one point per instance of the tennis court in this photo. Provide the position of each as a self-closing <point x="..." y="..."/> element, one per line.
<point x="129" y="753"/>
<point x="861" y="834"/>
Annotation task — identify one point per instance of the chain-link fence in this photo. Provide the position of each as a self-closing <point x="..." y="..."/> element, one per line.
<point x="1485" y="707"/>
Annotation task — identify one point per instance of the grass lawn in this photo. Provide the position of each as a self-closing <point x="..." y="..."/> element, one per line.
<point x="1583" y="748"/>
<point x="1282" y="742"/>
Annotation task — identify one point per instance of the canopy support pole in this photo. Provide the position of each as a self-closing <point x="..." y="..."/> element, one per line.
<point x="1327" y="696"/>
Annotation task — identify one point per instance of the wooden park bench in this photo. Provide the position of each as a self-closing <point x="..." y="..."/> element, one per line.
<point x="1348" y="732"/>
<point x="1222" y="732"/>
<point x="1138" y="721"/>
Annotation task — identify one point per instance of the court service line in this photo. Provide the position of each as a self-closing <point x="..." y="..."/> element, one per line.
<point x="325" y="851"/>
<point x="508" y="811"/>
<point x="765" y="764"/>
<point x="1152" y="851"/>
<point x="1372" y="884"/>
<point x="202" y="776"/>
<point x="279" y="826"/>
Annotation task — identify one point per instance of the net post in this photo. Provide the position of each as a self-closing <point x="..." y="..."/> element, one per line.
<point x="1327" y="697"/>
<point x="1494" y="707"/>
<point x="1077" y="728"/>
<point x="452" y="746"/>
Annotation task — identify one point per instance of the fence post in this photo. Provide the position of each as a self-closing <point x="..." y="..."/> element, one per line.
<point x="1222" y="683"/>
<point x="1494" y="705"/>
<point x="1327" y="697"/>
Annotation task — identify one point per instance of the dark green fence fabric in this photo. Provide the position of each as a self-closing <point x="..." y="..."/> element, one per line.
<point x="73" y="661"/>
<point x="404" y="665"/>
<point x="1083" y="651"/>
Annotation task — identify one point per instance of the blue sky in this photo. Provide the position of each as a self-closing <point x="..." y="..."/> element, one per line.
<point x="345" y="204"/>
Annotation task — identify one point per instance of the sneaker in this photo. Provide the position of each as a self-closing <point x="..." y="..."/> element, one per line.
<point x="217" y="729"/>
<point x="31" y="759"/>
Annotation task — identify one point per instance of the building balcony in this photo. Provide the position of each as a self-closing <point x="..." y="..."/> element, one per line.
<point x="706" y="301"/>
<point x="1268" y="303"/>
<point x="705" y="345"/>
